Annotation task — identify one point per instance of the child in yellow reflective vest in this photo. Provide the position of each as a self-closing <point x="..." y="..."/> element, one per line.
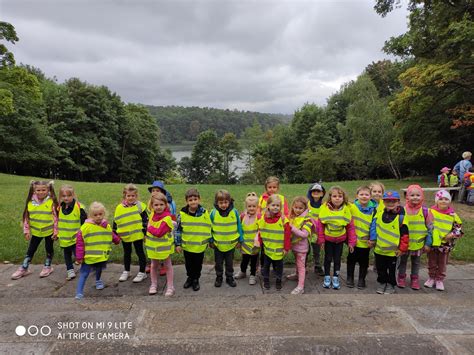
<point x="301" y="226"/>
<point x="159" y="242"/>
<point x="40" y="222"/>
<point x="227" y="234"/>
<point x="192" y="236"/>
<point x="93" y="245"/>
<point x="446" y="230"/>
<point x="130" y="223"/>
<point x="71" y="216"/>
<point x="316" y="193"/>
<point x="419" y="221"/>
<point x="249" y="219"/>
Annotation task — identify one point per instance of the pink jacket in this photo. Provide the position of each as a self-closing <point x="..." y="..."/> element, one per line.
<point x="26" y="224"/>
<point x="80" y="248"/>
<point x="302" y="245"/>
<point x="350" y="234"/>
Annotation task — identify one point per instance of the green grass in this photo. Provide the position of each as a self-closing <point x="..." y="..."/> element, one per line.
<point x="13" y="192"/>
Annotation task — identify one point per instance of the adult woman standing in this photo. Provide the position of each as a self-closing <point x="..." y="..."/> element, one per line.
<point x="462" y="167"/>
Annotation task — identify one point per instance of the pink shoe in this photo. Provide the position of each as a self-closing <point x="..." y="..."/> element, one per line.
<point x="152" y="290"/>
<point x="429" y="283"/>
<point x="439" y="285"/>
<point x="169" y="292"/>
<point x="415" y="282"/>
<point x="19" y="273"/>
<point x="47" y="270"/>
<point x="401" y="280"/>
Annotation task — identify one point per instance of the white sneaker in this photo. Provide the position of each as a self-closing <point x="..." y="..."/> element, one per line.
<point x="252" y="280"/>
<point x="240" y="275"/>
<point x="297" y="291"/>
<point x="124" y="277"/>
<point x="70" y="274"/>
<point x="140" y="277"/>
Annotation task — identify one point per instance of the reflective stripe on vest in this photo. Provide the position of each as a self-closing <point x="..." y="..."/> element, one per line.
<point x="225" y="231"/>
<point x="159" y="248"/>
<point x="313" y="213"/>
<point x="300" y="223"/>
<point x="250" y="231"/>
<point x="129" y="222"/>
<point x="41" y="220"/>
<point x="417" y="230"/>
<point x="442" y="225"/>
<point x="196" y="232"/>
<point x="273" y="237"/>
<point x="97" y="242"/>
<point x="362" y="223"/>
<point x="68" y="226"/>
<point x="388" y="236"/>
<point x="335" y="222"/>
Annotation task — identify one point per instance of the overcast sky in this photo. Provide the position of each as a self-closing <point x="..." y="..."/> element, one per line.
<point x="268" y="56"/>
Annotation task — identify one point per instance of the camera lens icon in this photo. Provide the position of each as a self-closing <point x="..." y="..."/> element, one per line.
<point x="33" y="330"/>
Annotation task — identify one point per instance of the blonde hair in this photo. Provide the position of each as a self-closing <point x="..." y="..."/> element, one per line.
<point x="157" y="196"/>
<point x="466" y="155"/>
<point x="222" y="195"/>
<point x="298" y="199"/>
<point x="272" y="199"/>
<point x="340" y="190"/>
<point x="271" y="179"/>
<point x="130" y="188"/>
<point x="251" y="197"/>
<point x="31" y="192"/>
<point x="377" y="183"/>
<point x="96" y="207"/>
<point x="64" y="189"/>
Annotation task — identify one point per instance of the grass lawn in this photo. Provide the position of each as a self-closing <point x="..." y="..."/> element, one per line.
<point x="14" y="189"/>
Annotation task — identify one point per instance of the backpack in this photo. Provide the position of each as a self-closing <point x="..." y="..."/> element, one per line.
<point x="439" y="179"/>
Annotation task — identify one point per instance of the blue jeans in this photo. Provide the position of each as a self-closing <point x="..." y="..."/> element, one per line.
<point x="84" y="274"/>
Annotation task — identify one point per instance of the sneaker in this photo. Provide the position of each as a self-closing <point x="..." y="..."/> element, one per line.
<point x="297" y="291"/>
<point x="19" y="273"/>
<point x="218" y="282"/>
<point x="152" y="290"/>
<point x="188" y="283"/>
<point x="266" y="284"/>
<point x="79" y="296"/>
<point x="252" y="280"/>
<point x="292" y="277"/>
<point x="163" y="270"/>
<point x="47" y="270"/>
<point x="230" y="281"/>
<point x="389" y="290"/>
<point x="124" y="277"/>
<point x="240" y="275"/>
<point x="140" y="277"/>
<point x="429" y="283"/>
<point x="278" y="285"/>
<point x="414" y="282"/>
<point x="169" y="292"/>
<point x="196" y="286"/>
<point x="71" y="274"/>
<point x="327" y="282"/>
<point x="99" y="285"/>
<point x="381" y="288"/>
<point x="439" y="285"/>
<point x="335" y="283"/>
<point x="401" y="280"/>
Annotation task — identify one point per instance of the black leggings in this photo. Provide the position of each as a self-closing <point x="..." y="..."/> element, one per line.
<point x="127" y="254"/>
<point x="332" y="253"/>
<point x="246" y="258"/>
<point x="33" y="246"/>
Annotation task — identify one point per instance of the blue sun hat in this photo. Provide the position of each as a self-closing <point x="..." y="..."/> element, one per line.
<point x="159" y="184"/>
<point x="391" y="195"/>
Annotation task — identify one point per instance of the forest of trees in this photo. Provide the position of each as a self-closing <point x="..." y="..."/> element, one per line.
<point x="398" y="118"/>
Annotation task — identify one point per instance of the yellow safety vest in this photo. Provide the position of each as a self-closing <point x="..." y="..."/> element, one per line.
<point x="362" y="223"/>
<point x="97" y="242"/>
<point x="273" y="237"/>
<point x="417" y="230"/>
<point x="313" y="213"/>
<point x="453" y="180"/>
<point x="388" y="236"/>
<point x="68" y="226"/>
<point x="41" y="218"/>
<point x="335" y="222"/>
<point x="380" y="205"/>
<point x="159" y="248"/>
<point x="129" y="221"/>
<point x="250" y="231"/>
<point x="442" y="225"/>
<point x="196" y="232"/>
<point x="263" y="203"/>
<point x="300" y="223"/>
<point x="225" y="231"/>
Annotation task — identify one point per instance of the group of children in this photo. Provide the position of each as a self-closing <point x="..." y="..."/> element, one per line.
<point x="265" y="232"/>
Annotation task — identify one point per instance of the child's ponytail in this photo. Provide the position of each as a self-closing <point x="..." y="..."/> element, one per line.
<point x="52" y="194"/>
<point x="31" y="191"/>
